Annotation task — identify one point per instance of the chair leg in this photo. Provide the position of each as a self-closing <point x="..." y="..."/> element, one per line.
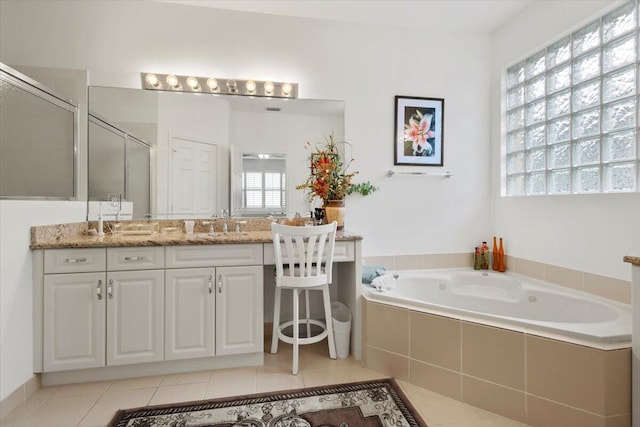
<point x="276" y="321"/>
<point x="296" y="329"/>
<point x="328" y="320"/>
<point x="306" y="312"/>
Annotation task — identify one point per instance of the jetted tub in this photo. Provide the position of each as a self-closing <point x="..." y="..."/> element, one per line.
<point x="509" y="301"/>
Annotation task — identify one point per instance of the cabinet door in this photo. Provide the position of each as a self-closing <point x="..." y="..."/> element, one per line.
<point x="135" y="317"/>
<point x="189" y="313"/>
<point x="74" y="321"/>
<point x="239" y="310"/>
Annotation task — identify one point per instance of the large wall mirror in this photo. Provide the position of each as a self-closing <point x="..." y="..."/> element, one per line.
<point x="199" y="146"/>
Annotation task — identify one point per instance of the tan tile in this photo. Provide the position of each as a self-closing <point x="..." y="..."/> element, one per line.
<point x="33" y="385"/>
<point x="437" y="261"/>
<point x="135" y="383"/>
<point x="608" y="287"/>
<point x="545" y="413"/>
<point x="21" y="412"/>
<point x="563" y="276"/>
<point x="408" y="262"/>
<point x="462" y="260"/>
<point x="81" y="389"/>
<point x="178" y="393"/>
<point x="391" y="364"/>
<point x="11" y="402"/>
<point x="385" y="261"/>
<point x="618" y="382"/>
<point x="388" y="328"/>
<point x="186" y="378"/>
<point x="275" y="382"/>
<point x="110" y="402"/>
<point x="61" y="412"/>
<point x="363" y="319"/>
<point x="339" y="376"/>
<point x="435" y="340"/>
<point x="438" y="410"/>
<point x="436" y="379"/>
<point x="231" y="384"/>
<point x="566" y="373"/>
<point x="528" y="268"/>
<point x="618" y="421"/>
<point x="44" y="392"/>
<point x="493" y="354"/>
<point x="500" y="400"/>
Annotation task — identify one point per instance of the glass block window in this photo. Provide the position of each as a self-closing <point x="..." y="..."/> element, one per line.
<point x="572" y="112"/>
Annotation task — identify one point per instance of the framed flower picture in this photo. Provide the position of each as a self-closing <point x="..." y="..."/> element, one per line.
<point x="419" y="131"/>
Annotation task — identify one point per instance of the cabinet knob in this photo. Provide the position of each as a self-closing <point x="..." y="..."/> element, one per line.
<point x="135" y="258"/>
<point x="110" y="289"/>
<point x="99" y="290"/>
<point x="210" y="284"/>
<point x="220" y="283"/>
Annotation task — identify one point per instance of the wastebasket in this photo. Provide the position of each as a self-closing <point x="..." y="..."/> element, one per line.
<point x="341" y="320"/>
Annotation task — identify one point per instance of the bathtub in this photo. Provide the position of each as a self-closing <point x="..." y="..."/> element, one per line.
<point x="509" y="301"/>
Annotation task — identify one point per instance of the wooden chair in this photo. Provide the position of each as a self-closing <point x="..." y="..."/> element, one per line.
<point x="304" y="261"/>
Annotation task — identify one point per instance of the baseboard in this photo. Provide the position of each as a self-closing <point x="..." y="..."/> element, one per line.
<point x="19" y="395"/>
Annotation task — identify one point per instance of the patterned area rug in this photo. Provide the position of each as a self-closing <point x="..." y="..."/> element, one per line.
<point x="378" y="403"/>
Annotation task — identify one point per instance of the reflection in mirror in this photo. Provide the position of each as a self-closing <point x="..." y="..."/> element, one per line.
<point x="193" y="173"/>
<point x="263" y="185"/>
<point x="120" y="169"/>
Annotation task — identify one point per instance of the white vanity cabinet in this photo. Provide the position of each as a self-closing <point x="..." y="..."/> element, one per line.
<point x="239" y="310"/>
<point x="135" y="317"/>
<point x="97" y="318"/>
<point x="189" y="313"/>
<point x="214" y="300"/>
<point x="74" y="321"/>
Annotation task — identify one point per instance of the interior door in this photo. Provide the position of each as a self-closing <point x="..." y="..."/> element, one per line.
<point x="193" y="177"/>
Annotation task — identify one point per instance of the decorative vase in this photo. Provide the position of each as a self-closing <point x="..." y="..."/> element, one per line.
<point x="334" y="211"/>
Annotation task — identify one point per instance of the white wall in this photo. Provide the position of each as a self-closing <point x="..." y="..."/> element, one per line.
<point x="364" y="65"/>
<point x="591" y="232"/>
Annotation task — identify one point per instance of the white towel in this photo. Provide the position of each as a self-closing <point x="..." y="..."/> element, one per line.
<point x="385" y="282"/>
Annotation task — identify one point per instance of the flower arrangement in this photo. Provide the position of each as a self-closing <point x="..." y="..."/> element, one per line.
<point x="329" y="178"/>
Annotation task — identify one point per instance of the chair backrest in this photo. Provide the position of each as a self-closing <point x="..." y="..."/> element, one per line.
<point x="308" y="253"/>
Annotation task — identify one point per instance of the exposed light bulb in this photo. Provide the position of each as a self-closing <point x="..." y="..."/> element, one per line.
<point x="193" y="83"/>
<point x="173" y="81"/>
<point x="212" y="84"/>
<point x="268" y="88"/>
<point x="251" y="86"/>
<point x="286" y="89"/>
<point x="152" y="79"/>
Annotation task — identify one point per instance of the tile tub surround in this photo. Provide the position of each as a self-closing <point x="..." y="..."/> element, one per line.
<point x="534" y="380"/>
<point x="607" y="287"/>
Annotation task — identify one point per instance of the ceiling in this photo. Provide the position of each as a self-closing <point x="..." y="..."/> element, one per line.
<point x="443" y="15"/>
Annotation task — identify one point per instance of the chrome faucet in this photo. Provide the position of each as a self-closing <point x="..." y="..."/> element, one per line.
<point x="225" y="216"/>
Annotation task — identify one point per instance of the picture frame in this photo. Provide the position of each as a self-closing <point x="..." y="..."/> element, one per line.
<point x="418" y="131"/>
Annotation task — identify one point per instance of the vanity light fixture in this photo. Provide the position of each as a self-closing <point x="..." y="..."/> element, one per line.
<point x="192" y="82"/>
<point x="173" y="82"/>
<point x="152" y="79"/>
<point x="267" y="88"/>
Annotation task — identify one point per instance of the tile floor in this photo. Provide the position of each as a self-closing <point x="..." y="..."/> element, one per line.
<point x="94" y="404"/>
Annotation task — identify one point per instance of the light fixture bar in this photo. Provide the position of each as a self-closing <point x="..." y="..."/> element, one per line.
<point x="176" y="83"/>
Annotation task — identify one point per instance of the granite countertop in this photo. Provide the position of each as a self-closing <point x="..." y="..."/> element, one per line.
<point x="77" y="236"/>
<point x="635" y="260"/>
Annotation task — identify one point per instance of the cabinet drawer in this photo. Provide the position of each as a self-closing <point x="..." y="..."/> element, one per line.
<point x="342" y="251"/>
<point x="213" y="256"/>
<point x="74" y="260"/>
<point x="135" y="258"/>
